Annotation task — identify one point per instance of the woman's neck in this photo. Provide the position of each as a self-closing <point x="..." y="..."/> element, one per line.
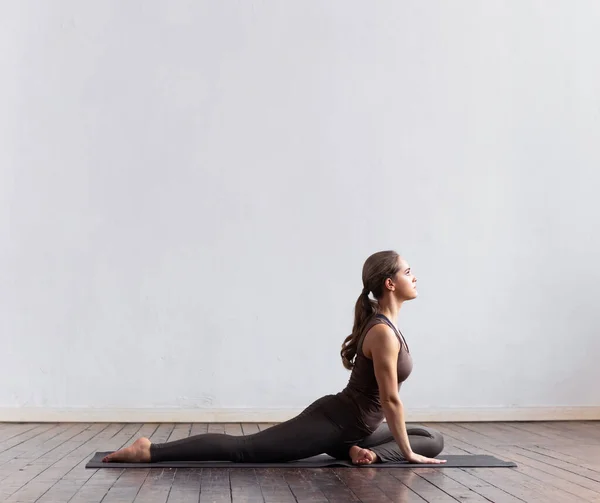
<point x="390" y="310"/>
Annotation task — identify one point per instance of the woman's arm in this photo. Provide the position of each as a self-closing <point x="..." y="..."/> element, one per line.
<point x="384" y="351"/>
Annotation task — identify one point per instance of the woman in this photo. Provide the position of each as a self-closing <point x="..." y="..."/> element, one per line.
<point x="348" y="425"/>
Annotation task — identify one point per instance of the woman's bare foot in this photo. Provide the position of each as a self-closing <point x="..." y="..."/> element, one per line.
<point x="138" y="452"/>
<point x="362" y="456"/>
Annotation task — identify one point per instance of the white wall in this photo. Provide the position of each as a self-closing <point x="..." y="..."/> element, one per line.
<point x="189" y="189"/>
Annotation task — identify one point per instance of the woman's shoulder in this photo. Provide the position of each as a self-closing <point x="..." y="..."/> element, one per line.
<point x="376" y="331"/>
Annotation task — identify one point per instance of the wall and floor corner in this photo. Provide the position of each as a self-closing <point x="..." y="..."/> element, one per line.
<point x="188" y="191"/>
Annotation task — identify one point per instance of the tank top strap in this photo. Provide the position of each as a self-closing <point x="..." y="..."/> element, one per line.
<point x="376" y="320"/>
<point x="398" y="333"/>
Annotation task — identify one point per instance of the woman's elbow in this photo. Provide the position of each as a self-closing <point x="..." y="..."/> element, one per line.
<point x="391" y="401"/>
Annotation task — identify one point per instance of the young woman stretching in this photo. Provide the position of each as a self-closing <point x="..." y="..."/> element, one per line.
<point x="348" y="425"/>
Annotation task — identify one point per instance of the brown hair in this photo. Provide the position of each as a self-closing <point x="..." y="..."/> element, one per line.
<point x="377" y="268"/>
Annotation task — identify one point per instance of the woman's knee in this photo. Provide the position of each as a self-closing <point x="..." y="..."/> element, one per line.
<point x="426" y="441"/>
<point x="437" y="443"/>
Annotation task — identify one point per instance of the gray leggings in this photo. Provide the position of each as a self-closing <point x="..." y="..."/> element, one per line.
<point x="310" y="433"/>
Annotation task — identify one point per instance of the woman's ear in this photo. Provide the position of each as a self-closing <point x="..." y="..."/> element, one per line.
<point x="389" y="284"/>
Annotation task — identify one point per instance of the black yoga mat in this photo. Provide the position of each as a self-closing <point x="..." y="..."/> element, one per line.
<point x="321" y="461"/>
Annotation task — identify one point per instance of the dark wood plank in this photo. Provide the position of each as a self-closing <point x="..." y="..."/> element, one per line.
<point x="28" y="435"/>
<point x="127" y="486"/>
<point x="181" y="430"/>
<point x="273" y="485"/>
<point x="30" y="462"/>
<point x="233" y="429"/>
<point x="518" y="481"/>
<point x="215" y="486"/>
<point x="186" y="486"/>
<point x="250" y="428"/>
<point x="558" y="461"/>
<point x="462" y="490"/>
<point x="376" y="485"/>
<point x="98" y="482"/>
<point x="534" y="428"/>
<point x="244" y="485"/>
<point x="40" y="472"/>
<point x="553" y="444"/>
<point x="156" y="486"/>
<point x="521" y="486"/>
<point x="332" y="487"/>
<point x="479" y="486"/>
<point x="553" y="471"/>
<point x="466" y="481"/>
<point x="584" y="431"/>
<point x="216" y="428"/>
<point x="10" y="430"/>
<point x="198" y="428"/>
<point x="442" y="480"/>
<point x="559" y="454"/>
<point x="21" y="455"/>
<point x="513" y="435"/>
<point x="303" y="487"/>
<point x="71" y="469"/>
<point x="421" y="486"/>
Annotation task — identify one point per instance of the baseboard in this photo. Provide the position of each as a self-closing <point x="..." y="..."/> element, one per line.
<point x="177" y="415"/>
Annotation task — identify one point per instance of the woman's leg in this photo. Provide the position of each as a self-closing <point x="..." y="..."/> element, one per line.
<point x="425" y="441"/>
<point x="308" y="434"/>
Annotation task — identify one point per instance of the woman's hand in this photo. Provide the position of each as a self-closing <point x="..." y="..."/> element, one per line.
<point x="417" y="458"/>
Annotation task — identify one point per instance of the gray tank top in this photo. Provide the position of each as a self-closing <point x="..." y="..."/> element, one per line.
<point x="362" y="391"/>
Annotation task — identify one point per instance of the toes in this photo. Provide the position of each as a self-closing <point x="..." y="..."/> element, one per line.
<point x="365" y="457"/>
<point x="362" y="457"/>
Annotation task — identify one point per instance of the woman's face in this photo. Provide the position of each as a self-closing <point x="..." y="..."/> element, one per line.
<point x="406" y="282"/>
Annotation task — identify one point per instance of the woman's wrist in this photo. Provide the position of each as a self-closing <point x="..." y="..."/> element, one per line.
<point x="409" y="455"/>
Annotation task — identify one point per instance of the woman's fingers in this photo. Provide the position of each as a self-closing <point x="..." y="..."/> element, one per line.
<point x="435" y="461"/>
<point x="424" y="460"/>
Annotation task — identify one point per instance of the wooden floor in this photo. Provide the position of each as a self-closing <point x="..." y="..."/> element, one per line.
<point x="557" y="461"/>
